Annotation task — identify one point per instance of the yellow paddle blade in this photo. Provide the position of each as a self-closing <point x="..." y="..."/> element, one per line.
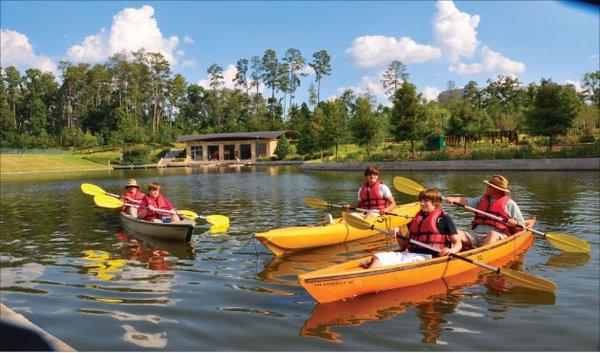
<point x="356" y="222"/>
<point x="407" y="186"/>
<point x="522" y="279"/>
<point x="568" y="243"/>
<point x="188" y="214"/>
<point x="315" y="203"/>
<point x="108" y="201"/>
<point x="217" y="220"/>
<point x="92" y="189"/>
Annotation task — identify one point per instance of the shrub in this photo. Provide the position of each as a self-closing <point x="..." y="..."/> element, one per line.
<point x="436" y="156"/>
<point x="138" y="154"/>
<point x="587" y="138"/>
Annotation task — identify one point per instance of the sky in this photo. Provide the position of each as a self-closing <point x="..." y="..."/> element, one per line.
<point x="438" y="41"/>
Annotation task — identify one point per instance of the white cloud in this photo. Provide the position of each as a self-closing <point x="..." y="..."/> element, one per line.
<point x="16" y="51"/>
<point x="188" y="39"/>
<point x="307" y="70"/>
<point x="191" y="63"/>
<point x="577" y="84"/>
<point x="372" y="51"/>
<point x="132" y="29"/>
<point x="431" y="93"/>
<point x="493" y="62"/>
<point x="368" y="85"/>
<point x="228" y="76"/>
<point x="455" y="31"/>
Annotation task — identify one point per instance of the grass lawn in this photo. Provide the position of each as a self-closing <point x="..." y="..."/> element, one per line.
<point x="11" y="163"/>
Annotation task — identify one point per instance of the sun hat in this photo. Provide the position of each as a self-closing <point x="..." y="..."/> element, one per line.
<point x="498" y="182"/>
<point x="132" y="182"/>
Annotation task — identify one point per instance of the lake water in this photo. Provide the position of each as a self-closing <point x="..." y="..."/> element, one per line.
<point x="67" y="266"/>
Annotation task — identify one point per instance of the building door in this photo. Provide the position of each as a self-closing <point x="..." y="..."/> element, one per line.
<point x="261" y="149"/>
<point x="246" y="151"/>
<point x="213" y="153"/>
<point x="229" y="152"/>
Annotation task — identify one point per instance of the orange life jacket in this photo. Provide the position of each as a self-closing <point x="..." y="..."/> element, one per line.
<point x="495" y="207"/>
<point x="423" y="228"/>
<point x="371" y="198"/>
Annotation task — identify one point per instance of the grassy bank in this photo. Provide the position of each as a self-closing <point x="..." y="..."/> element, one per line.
<point x="28" y="163"/>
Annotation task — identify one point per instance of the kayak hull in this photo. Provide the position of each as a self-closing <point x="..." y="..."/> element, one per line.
<point x="179" y="231"/>
<point x="348" y="279"/>
<point x="289" y="239"/>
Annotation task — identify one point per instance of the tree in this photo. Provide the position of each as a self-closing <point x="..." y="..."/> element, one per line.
<point x="464" y="120"/>
<point x="215" y="76"/>
<point x="283" y="147"/>
<point x="405" y="115"/>
<point x="293" y="57"/>
<point x="240" y="79"/>
<point x="321" y="65"/>
<point x="364" y="126"/>
<point x="393" y="77"/>
<point x="555" y="109"/>
<point x="335" y="126"/>
<point x="591" y="84"/>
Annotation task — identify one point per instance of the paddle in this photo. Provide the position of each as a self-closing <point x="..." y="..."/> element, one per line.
<point x="107" y="201"/>
<point x="519" y="278"/>
<point x="561" y="241"/>
<point x="316" y="203"/>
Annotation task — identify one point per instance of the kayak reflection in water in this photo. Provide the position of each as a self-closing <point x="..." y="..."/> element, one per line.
<point x="155" y="258"/>
<point x="431" y="226"/>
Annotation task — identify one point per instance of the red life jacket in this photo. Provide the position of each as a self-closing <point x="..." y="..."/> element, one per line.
<point x="497" y="208"/>
<point x="127" y="196"/>
<point x="160" y="202"/>
<point x="423" y="228"/>
<point x="371" y="198"/>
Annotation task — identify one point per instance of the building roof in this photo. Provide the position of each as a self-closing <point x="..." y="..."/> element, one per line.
<point x="233" y="136"/>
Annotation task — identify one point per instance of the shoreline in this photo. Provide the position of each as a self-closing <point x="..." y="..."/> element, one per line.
<point x="562" y="164"/>
<point x="57" y="171"/>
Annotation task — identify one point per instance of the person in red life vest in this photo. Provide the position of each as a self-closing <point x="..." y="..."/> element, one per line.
<point x="431" y="225"/>
<point x="497" y="202"/>
<point x="133" y="196"/>
<point x="155" y="201"/>
<point x="374" y="195"/>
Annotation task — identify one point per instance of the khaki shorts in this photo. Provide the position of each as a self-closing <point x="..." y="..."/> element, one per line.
<point x="393" y="257"/>
<point x="476" y="239"/>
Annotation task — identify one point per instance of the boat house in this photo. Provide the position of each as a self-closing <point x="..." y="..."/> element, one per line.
<point x="234" y="147"/>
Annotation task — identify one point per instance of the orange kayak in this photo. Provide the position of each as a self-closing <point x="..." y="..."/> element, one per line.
<point x="348" y="279"/>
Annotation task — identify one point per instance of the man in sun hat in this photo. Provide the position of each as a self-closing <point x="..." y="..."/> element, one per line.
<point x="497" y="202"/>
<point x="132" y="195"/>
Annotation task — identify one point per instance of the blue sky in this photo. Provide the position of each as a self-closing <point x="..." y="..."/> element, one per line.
<point x="438" y="41"/>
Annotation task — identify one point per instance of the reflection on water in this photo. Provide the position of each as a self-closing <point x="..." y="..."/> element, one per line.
<point x="432" y="301"/>
<point x="66" y="265"/>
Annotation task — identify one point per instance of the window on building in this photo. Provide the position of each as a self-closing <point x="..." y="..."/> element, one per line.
<point x="196" y="152"/>
<point x="261" y="149"/>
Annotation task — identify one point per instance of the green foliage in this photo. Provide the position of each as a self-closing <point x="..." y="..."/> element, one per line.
<point x="138" y="154"/>
<point x="436" y="156"/>
<point x="365" y="126"/>
<point x="587" y="138"/>
<point x="406" y="116"/>
<point x="554" y="111"/>
<point x="283" y="147"/>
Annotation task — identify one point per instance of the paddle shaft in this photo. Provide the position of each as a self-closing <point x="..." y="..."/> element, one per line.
<point x="423" y="245"/>
<point x="156" y="209"/>
<point x="365" y="210"/>
<point x="472" y="209"/>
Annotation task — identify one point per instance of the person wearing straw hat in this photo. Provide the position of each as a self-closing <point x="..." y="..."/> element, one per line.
<point x="497" y="202"/>
<point x="132" y="195"/>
